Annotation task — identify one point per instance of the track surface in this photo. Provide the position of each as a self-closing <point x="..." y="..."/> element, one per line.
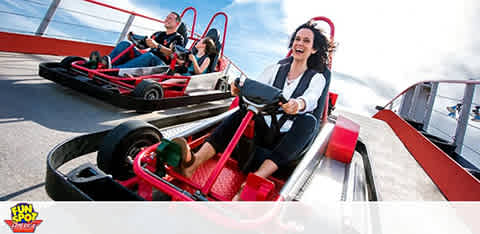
<point x="37" y="114"/>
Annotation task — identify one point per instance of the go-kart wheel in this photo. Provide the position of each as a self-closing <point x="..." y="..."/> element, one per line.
<point x="222" y="85"/>
<point x="67" y="62"/>
<point x="148" y="90"/>
<point x="122" y="144"/>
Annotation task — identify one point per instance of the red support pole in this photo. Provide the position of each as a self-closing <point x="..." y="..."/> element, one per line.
<point x="226" y="154"/>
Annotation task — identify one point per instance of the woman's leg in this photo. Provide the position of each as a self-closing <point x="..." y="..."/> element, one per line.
<point x="144" y="60"/>
<point x="289" y="145"/>
<point x="119" y="49"/>
<point x="217" y="142"/>
<point x="288" y="149"/>
<point x="295" y="140"/>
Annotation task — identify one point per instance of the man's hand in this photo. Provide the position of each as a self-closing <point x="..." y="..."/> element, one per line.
<point x="291" y="107"/>
<point x="234" y="89"/>
<point x="151" y="43"/>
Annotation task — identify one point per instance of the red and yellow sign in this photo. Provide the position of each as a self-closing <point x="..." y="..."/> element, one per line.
<point x="24" y="218"/>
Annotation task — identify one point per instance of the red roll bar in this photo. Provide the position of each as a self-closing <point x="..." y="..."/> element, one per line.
<point x="192" y="32"/>
<point x="224" y="29"/>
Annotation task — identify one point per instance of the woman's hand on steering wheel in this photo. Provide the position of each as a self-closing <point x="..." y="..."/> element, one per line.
<point x="291" y="107"/>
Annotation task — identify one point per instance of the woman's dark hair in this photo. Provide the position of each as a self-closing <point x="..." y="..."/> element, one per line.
<point x="210" y="48"/>
<point x="319" y="60"/>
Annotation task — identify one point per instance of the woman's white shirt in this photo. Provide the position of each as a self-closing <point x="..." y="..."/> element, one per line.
<point x="310" y="96"/>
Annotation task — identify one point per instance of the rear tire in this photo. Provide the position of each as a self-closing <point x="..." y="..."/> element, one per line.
<point x="122" y="144"/>
<point x="67" y="62"/>
<point x="148" y="90"/>
<point x="222" y="85"/>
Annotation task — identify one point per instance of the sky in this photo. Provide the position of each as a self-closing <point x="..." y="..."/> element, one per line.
<point x="383" y="46"/>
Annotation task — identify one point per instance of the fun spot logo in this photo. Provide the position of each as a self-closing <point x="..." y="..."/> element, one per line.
<point x="24" y="218"/>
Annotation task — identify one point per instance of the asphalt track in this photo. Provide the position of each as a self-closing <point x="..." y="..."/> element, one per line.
<point x="37" y="114"/>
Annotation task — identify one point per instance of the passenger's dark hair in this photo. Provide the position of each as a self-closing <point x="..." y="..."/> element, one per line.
<point x="210" y="48"/>
<point x="319" y="60"/>
<point x="178" y="16"/>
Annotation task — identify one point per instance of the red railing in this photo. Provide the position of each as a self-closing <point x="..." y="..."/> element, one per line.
<point x="123" y="10"/>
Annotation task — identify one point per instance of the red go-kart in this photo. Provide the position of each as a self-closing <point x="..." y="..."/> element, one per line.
<point x="148" y="88"/>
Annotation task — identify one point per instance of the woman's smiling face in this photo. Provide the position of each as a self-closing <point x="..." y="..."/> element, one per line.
<point x="302" y="46"/>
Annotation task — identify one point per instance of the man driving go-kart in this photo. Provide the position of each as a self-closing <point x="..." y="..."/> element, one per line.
<point x="159" y="43"/>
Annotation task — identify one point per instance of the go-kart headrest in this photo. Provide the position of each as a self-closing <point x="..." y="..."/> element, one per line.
<point x="215" y="35"/>
<point x="183" y="30"/>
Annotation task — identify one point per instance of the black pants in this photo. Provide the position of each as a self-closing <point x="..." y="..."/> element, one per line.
<point x="286" y="147"/>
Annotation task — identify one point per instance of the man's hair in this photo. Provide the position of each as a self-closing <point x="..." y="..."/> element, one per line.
<point x="178" y="16"/>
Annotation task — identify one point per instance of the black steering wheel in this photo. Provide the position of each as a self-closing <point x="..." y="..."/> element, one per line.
<point x="138" y="40"/>
<point x="181" y="52"/>
<point x="259" y="97"/>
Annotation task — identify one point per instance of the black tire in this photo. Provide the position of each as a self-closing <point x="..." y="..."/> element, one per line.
<point x="122" y="144"/>
<point x="148" y="90"/>
<point x="222" y="85"/>
<point x="67" y="62"/>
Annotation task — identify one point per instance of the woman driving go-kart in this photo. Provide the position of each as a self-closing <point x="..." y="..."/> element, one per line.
<point x="263" y="149"/>
<point x="283" y="134"/>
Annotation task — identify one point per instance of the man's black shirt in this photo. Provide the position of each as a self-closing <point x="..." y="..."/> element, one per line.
<point x="166" y="39"/>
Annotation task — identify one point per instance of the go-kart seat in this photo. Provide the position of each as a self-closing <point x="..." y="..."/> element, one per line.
<point x="182" y="29"/>
<point x="214" y="34"/>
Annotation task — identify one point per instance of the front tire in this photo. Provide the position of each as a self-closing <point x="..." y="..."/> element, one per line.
<point x="67" y="62"/>
<point x="148" y="90"/>
<point x="121" y="145"/>
<point x="222" y="85"/>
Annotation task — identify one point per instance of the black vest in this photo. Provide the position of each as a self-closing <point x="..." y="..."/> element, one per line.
<point x="302" y="86"/>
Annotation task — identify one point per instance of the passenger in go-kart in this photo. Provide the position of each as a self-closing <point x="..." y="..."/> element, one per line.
<point x="302" y="85"/>
<point x="159" y="43"/>
<point x="201" y="60"/>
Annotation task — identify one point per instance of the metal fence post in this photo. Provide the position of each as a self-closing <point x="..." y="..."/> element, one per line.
<point x="463" y="118"/>
<point x="429" y="107"/>
<point x="46" y="19"/>
<point x="406" y="104"/>
<point x="413" y="102"/>
<point x="126" y="28"/>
